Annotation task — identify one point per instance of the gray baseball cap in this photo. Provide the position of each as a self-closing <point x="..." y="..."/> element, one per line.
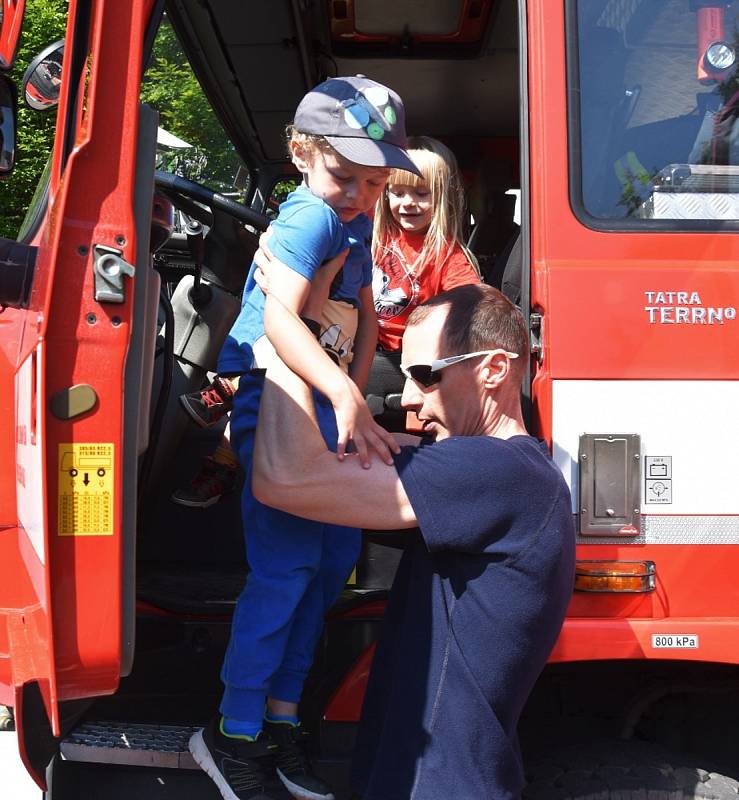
<point x="361" y="119"/>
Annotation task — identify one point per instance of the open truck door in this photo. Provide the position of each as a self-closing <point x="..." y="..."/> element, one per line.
<point x="71" y="292"/>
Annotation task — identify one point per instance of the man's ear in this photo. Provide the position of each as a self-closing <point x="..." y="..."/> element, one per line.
<point x="495" y="371"/>
<point x="300" y="155"/>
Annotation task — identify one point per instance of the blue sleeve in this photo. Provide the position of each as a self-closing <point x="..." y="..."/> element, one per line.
<point x="367" y="271"/>
<point x="305" y="237"/>
<point x="470" y="493"/>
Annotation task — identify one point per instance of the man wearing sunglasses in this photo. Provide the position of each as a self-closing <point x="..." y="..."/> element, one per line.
<point x="482" y="589"/>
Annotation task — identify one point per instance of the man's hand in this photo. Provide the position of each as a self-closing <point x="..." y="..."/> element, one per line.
<point x="320" y="285"/>
<point x="264" y="259"/>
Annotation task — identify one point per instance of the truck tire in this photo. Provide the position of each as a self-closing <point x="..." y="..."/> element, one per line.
<point x="624" y="770"/>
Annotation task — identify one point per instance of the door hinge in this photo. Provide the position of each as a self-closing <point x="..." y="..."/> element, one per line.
<point x="537" y="348"/>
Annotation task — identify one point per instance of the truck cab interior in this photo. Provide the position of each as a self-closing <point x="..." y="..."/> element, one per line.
<point x="456" y="67"/>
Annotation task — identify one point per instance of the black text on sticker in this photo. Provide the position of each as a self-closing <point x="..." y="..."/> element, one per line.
<point x="680" y="640"/>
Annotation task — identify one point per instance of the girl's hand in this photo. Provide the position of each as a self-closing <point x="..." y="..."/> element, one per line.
<point x="356" y="424"/>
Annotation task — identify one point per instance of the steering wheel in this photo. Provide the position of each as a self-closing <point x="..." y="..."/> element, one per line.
<point x="183" y="188"/>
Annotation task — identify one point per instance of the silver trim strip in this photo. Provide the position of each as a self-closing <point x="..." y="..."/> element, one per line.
<point x="662" y="529"/>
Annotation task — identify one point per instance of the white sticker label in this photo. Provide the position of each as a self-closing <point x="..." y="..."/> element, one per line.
<point x="658" y="480"/>
<point x="683" y="641"/>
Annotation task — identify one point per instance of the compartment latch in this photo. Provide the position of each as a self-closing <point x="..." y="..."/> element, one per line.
<point x="610" y="484"/>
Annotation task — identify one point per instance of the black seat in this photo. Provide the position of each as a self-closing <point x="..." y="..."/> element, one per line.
<point x="491" y="236"/>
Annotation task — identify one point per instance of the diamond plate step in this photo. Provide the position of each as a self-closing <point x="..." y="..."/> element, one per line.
<point x="130" y="744"/>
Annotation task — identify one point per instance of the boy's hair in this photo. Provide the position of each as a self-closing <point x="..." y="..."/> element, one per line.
<point x="480" y="318"/>
<point x="310" y="142"/>
<point x="440" y="171"/>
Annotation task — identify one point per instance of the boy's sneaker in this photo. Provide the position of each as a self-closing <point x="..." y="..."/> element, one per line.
<point x="210" y="404"/>
<point x="209" y="485"/>
<point x="241" y="770"/>
<point x="293" y="765"/>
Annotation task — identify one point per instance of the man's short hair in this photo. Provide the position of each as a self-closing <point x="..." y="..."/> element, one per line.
<point x="480" y="318"/>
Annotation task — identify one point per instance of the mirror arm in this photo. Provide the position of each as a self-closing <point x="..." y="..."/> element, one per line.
<point x="8" y="125"/>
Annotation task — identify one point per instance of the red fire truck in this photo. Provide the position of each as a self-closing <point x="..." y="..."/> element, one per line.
<point x="616" y="122"/>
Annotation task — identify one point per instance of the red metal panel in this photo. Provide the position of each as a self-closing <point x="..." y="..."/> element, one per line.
<point x="11" y="30"/>
<point x="646" y="319"/>
<point x="596" y="639"/>
<point x="604" y="319"/>
<point x="346" y="702"/>
<point x="87" y="342"/>
<point x="471" y="25"/>
<point x="599" y="290"/>
<point x="61" y="595"/>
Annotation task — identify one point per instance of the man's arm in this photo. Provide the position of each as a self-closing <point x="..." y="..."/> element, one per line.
<point x="295" y="472"/>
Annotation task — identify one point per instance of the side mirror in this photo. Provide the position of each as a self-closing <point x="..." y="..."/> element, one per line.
<point x="43" y="78"/>
<point x="11" y="21"/>
<point x="8" y="125"/>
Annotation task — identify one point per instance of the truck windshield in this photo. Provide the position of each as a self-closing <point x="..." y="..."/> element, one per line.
<point x="654" y="110"/>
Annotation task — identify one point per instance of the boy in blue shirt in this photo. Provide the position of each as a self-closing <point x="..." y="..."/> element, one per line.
<point x="347" y="135"/>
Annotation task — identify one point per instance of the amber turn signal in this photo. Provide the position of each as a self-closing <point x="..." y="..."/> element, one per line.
<point x="614" y="576"/>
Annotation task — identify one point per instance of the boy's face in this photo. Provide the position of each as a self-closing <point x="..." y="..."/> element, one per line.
<point x="350" y="189"/>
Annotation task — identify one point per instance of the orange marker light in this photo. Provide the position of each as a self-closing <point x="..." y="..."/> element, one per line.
<point x="615" y="576"/>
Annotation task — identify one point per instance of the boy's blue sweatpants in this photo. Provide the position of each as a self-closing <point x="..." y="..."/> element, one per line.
<point x="297" y="570"/>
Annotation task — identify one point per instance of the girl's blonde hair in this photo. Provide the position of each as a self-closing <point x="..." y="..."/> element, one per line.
<point x="441" y="175"/>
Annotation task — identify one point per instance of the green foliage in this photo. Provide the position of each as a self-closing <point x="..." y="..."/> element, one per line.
<point x="171" y="87"/>
<point x="283" y="188"/>
<point x="44" y="23"/>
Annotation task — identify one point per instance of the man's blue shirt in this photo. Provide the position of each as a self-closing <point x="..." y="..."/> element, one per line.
<point x="475" y="609"/>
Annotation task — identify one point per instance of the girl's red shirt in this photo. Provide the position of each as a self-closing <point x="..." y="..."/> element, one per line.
<point x="400" y="282"/>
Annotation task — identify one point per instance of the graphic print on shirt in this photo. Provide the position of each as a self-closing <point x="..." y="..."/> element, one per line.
<point x="338" y="329"/>
<point x="394" y="285"/>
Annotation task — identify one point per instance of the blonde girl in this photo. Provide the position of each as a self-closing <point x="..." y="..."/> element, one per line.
<point x="417" y="251"/>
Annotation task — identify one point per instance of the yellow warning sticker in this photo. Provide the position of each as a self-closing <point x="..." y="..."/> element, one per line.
<point x="86" y="489"/>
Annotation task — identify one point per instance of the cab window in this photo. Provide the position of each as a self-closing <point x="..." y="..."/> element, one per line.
<point x="191" y="141"/>
<point x="654" y="113"/>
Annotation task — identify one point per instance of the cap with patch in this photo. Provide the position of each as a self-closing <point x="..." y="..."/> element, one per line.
<point x="361" y="119"/>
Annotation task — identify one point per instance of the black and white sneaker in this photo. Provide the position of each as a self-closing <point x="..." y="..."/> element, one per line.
<point x="242" y="770"/>
<point x="293" y="765"/>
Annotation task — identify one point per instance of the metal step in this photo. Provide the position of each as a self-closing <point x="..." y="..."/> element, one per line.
<point x="130" y="744"/>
